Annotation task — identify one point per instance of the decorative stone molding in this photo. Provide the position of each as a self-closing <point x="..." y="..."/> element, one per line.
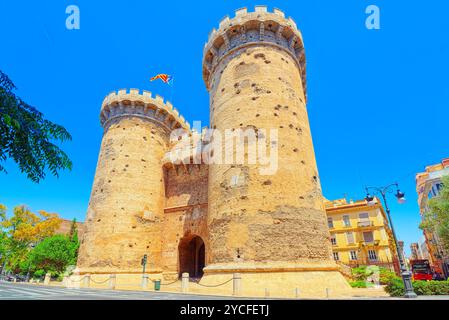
<point x="252" y="28"/>
<point x="132" y="102"/>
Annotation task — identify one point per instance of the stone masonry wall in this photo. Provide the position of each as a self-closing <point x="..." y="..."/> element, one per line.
<point x="185" y="210"/>
<point x="275" y="217"/>
<point x="127" y="200"/>
<point x="254" y="69"/>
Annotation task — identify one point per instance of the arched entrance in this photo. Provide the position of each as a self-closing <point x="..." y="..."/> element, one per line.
<point x="192" y="256"/>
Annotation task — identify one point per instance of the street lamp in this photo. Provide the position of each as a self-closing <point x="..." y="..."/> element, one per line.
<point x="406" y="276"/>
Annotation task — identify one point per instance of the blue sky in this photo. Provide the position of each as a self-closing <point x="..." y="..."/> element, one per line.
<point x="378" y="99"/>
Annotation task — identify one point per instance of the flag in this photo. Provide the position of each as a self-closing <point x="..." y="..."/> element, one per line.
<point x="164" y="77"/>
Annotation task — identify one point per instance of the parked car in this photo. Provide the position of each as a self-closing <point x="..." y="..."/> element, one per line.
<point x="21" y="278"/>
<point x="7" y="277"/>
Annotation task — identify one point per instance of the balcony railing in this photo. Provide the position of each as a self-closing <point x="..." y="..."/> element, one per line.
<point x="362" y="224"/>
<point x="369" y="243"/>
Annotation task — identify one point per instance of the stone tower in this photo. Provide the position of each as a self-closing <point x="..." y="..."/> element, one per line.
<point x="270" y="227"/>
<point x="212" y="220"/>
<point x="125" y="213"/>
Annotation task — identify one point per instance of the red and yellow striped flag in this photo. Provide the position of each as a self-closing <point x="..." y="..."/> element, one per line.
<point x="164" y="77"/>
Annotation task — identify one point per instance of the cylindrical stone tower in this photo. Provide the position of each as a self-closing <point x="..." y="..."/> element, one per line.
<point x="254" y="70"/>
<point x="125" y="214"/>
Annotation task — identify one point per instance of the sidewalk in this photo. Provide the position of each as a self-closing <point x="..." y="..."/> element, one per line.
<point x="194" y="288"/>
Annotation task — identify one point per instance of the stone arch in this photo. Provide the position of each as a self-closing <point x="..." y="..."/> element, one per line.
<point x="192" y="255"/>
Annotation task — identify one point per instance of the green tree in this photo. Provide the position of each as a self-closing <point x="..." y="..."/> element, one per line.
<point x="3" y="247"/>
<point x="27" y="227"/>
<point x="23" y="230"/>
<point x="4" y="239"/>
<point x="436" y="220"/>
<point x="73" y="234"/>
<point x="26" y="136"/>
<point x="54" y="254"/>
<point x="3" y="235"/>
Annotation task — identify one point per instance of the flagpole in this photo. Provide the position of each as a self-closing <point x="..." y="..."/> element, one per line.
<point x="172" y="89"/>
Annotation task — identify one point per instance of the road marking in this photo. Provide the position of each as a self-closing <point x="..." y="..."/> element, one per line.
<point x="11" y="291"/>
<point x="19" y="291"/>
<point x="32" y="291"/>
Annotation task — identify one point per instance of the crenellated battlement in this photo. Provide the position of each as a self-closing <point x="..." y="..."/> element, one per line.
<point x="249" y="28"/>
<point x="258" y="11"/>
<point x="126" y="102"/>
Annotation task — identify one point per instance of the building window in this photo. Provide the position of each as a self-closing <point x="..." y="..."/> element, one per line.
<point x="364" y="220"/>
<point x="368" y="237"/>
<point x="353" y="255"/>
<point x="372" y="255"/>
<point x="234" y="181"/>
<point x="346" y="221"/>
<point x="330" y="223"/>
<point x="336" y="256"/>
<point x="363" y="216"/>
<point x="333" y="240"/>
<point x="350" y="237"/>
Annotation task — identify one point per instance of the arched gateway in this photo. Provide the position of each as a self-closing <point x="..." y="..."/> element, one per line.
<point x="192" y="256"/>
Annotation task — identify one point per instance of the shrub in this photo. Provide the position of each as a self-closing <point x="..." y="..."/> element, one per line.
<point x="360" y="284"/>
<point x="360" y="273"/>
<point x="39" y="273"/>
<point x="431" y="287"/>
<point x="422" y="288"/>
<point x="396" y="287"/>
<point x="386" y="275"/>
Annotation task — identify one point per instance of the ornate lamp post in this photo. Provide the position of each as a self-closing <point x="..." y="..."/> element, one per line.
<point x="405" y="273"/>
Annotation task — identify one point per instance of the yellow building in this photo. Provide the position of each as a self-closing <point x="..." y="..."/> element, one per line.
<point x="428" y="185"/>
<point x="360" y="234"/>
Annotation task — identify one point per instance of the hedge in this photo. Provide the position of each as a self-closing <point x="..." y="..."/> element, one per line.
<point x="429" y="288"/>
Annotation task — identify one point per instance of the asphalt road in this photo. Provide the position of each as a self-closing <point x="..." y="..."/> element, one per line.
<point x="21" y="291"/>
